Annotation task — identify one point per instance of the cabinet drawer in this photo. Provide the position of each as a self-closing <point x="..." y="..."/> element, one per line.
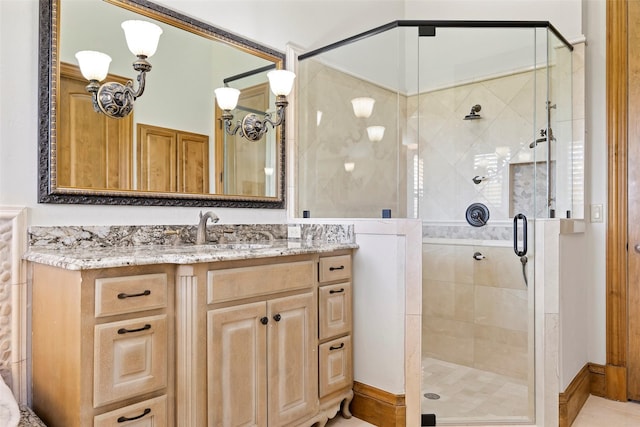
<point x="334" y="304"/>
<point x="336" y="371"/>
<point x="130" y="358"/>
<point x="127" y="294"/>
<point x="335" y="268"/>
<point x="150" y="413"/>
<point x="245" y="282"/>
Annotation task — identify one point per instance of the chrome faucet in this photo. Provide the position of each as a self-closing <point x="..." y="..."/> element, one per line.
<point x="201" y="235"/>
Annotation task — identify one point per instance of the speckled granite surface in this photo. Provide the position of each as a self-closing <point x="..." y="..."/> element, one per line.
<point x="78" y="248"/>
<point x="29" y="419"/>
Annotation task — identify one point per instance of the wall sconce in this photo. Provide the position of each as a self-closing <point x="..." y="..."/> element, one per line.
<point x="251" y="127"/>
<point x="268" y="171"/>
<point x="363" y="107"/>
<point x="349" y="166"/>
<point x="375" y="133"/>
<point x="112" y="98"/>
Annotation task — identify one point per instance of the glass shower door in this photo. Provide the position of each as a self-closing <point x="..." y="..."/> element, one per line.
<point x="477" y="114"/>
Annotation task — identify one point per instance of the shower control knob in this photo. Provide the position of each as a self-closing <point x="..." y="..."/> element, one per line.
<point x="478" y="256"/>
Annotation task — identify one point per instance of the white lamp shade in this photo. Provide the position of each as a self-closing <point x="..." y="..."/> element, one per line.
<point x="268" y="171"/>
<point x="142" y="37"/>
<point x="376" y="133"/>
<point x="93" y="65"/>
<point x="281" y="81"/>
<point x="227" y="97"/>
<point x="363" y="107"/>
<point x="349" y="166"/>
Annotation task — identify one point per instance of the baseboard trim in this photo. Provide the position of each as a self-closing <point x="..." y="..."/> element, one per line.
<point x="597" y="380"/>
<point x="378" y="407"/>
<point x="574" y="397"/>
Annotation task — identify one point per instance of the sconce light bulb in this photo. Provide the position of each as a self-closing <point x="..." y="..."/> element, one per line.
<point x="142" y="37"/>
<point x="281" y="82"/>
<point x="349" y="166"/>
<point x="363" y="107"/>
<point x="375" y="133"/>
<point x="227" y="97"/>
<point x="268" y="171"/>
<point x="93" y="65"/>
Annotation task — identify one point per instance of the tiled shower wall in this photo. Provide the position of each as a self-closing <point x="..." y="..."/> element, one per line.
<point x="330" y="135"/>
<point x="434" y="182"/>
<point x="476" y="312"/>
<point x="454" y="150"/>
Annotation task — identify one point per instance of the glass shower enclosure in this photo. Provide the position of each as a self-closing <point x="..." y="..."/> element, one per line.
<point x="466" y="125"/>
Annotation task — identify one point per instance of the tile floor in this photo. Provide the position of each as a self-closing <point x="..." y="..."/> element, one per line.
<point x="469" y="395"/>
<point x="338" y="421"/>
<point x="596" y="412"/>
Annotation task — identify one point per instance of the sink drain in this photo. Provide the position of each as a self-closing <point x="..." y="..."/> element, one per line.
<point x="432" y="396"/>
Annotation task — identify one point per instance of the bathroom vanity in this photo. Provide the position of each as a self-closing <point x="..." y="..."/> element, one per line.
<point x="217" y="335"/>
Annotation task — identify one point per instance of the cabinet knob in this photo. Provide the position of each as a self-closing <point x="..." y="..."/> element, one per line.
<point x="277" y="317"/>
<point x="637" y="248"/>
<point x="264" y="320"/>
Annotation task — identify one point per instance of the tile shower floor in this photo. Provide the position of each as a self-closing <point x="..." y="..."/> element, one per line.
<point x="469" y="394"/>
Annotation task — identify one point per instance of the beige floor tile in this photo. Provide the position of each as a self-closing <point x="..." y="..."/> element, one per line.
<point x="599" y="412"/>
<point x="338" y="421"/>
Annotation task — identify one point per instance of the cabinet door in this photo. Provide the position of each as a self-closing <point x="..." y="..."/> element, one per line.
<point x="292" y="359"/>
<point x="193" y="163"/>
<point x="236" y="359"/>
<point x="156" y="159"/>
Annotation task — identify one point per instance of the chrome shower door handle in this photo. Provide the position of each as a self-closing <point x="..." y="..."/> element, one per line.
<point x="520" y="245"/>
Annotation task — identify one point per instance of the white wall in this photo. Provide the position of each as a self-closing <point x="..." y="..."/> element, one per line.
<point x="596" y="176"/>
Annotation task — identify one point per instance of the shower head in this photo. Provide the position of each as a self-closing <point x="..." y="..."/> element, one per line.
<point x="473" y="115"/>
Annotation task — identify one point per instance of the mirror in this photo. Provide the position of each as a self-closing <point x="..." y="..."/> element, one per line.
<point x="171" y="150"/>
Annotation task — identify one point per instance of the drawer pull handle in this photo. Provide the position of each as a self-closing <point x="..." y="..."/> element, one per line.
<point x="336" y="268"/>
<point x="125" y="419"/>
<point x="141" y="294"/>
<point x="264" y="320"/>
<point x="337" y="347"/>
<point x="127" y="331"/>
<point x="333" y="291"/>
<point x="277" y="317"/>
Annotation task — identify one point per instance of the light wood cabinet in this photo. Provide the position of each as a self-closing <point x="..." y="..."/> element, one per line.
<point x="101" y="346"/>
<point x="259" y="342"/>
<point x="262" y="361"/>
<point x="335" y="328"/>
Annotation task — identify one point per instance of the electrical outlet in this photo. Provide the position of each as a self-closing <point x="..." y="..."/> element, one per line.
<point x="294" y="231"/>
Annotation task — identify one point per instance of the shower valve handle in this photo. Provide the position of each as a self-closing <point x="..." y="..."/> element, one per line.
<point x="478" y="256"/>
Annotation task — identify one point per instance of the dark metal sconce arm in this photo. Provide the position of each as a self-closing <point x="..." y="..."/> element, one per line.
<point x="252" y="127"/>
<point x="115" y="99"/>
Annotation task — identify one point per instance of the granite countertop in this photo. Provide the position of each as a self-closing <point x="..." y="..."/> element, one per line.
<point x="107" y="257"/>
